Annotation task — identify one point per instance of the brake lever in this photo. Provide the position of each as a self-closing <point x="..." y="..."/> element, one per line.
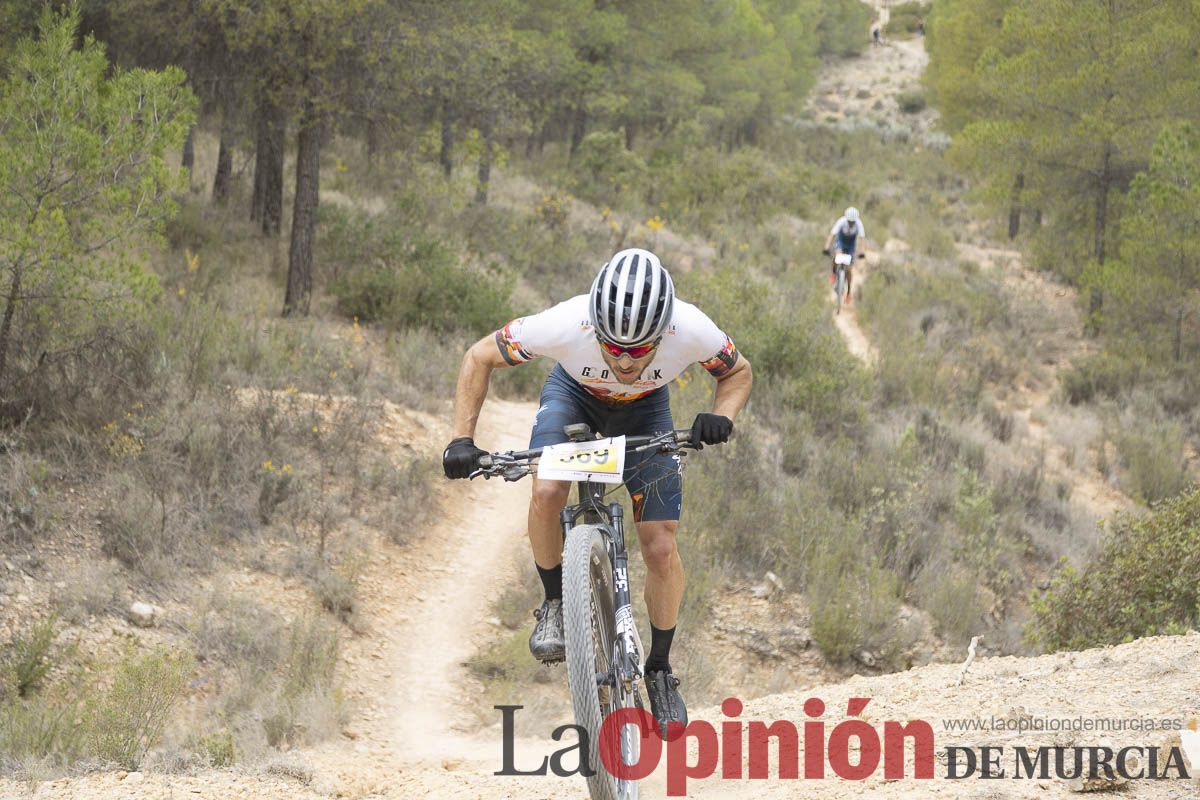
<point x="514" y="472"/>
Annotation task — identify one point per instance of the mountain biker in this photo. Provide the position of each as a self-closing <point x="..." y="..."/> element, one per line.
<point x="848" y="230"/>
<point x="617" y="347"/>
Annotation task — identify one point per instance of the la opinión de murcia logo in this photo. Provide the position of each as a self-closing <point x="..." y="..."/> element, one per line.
<point x="852" y="750"/>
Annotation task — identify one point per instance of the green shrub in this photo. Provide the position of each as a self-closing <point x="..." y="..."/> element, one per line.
<point x="37" y="730"/>
<point x="134" y="528"/>
<point x="92" y="589"/>
<point x="27" y="660"/>
<point x="424" y="284"/>
<point x="1100" y="375"/>
<point x="217" y="748"/>
<point x="840" y="27"/>
<point x="911" y="102"/>
<point x="337" y="589"/>
<point x="952" y="598"/>
<point x="1144" y="581"/>
<point x="905" y="16"/>
<point x="605" y="168"/>
<point x="306" y="704"/>
<point x="130" y="718"/>
<point x="1152" y="454"/>
<point x="854" y="601"/>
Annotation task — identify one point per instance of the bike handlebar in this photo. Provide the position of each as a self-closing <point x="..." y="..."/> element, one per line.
<point x="499" y="463"/>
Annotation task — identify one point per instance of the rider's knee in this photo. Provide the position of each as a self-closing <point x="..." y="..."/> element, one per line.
<point x="659" y="550"/>
<point x="550" y="495"/>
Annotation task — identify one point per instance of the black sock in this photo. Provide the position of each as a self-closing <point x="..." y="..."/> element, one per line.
<point x="660" y="649"/>
<point x="551" y="581"/>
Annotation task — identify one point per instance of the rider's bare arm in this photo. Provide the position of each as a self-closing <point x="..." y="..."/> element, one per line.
<point x="477" y="365"/>
<point x="733" y="389"/>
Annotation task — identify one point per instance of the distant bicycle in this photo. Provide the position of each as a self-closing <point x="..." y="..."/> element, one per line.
<point x="604" y="651"/>
<point x="842" y="276"/>
<point x="841" y="284"/>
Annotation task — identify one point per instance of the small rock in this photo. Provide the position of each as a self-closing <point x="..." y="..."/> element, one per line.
<point x="864" y="657"/>
<point x="121" y="775"/>
<point x="142" y="614"/>
<point x="451" y="764"/>
<point x="774" y="582"/>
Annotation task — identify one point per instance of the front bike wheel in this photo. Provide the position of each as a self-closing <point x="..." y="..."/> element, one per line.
<point x="841" y="288"/>
<point x="590" y="626"/>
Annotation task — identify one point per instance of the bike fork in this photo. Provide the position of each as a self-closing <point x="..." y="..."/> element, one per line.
<point x="631" y="669"/>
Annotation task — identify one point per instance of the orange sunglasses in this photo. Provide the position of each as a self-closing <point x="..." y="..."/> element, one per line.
<point x="616" y="351"/>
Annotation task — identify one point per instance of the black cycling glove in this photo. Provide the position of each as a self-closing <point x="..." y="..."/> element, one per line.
<point x="711" y="429"/>
<point x="825" y="252"/>
<point x="461" y="457"/>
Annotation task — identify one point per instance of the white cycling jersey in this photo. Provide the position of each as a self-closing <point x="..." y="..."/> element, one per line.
<point x="842" y="228"/>
<point x="565" y="334"/>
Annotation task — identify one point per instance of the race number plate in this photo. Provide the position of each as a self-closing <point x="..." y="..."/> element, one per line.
<point x="602" y="460"/>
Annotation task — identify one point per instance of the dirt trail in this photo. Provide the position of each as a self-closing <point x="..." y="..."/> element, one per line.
<point x="847" y="321"/>
<point x="413" y="706"/>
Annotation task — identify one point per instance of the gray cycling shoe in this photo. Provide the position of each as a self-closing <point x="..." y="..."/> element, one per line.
<point x="666" y="703"/>
<point x="547" y="642"/>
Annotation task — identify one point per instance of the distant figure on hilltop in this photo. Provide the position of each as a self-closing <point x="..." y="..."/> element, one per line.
<point x="875" y="35"/>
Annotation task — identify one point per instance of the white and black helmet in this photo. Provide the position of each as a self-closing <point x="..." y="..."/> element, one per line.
<point x="632" y="299"/>
<point x="851" y="214"/>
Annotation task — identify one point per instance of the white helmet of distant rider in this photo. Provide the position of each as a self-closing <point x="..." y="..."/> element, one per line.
<point x="632" y="299"/>
<point x="852" y="214"/>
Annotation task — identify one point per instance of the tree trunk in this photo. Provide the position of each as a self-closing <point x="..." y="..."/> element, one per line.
<point x="220" y="189"/>
<point x="188" y="161"/>
<point x="1177" y="342"/>
<point x="1014" y="206"/>
<point x="260" y="172"/>
<point x="446" y="155"/>
<point x="272" y="188"/>
<point x="372" y="142"/>
<point x="1096" y="300"/>
<point x="224" y="175"/>
<point x="304" y="214"/>
<point x="10" y="308"/>
<point x="578" y="127"/>
<point x="485" y="162"/>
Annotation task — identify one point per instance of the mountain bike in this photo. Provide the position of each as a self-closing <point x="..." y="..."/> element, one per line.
<point x="842" y="262"/>
<point x="604" y="650"/>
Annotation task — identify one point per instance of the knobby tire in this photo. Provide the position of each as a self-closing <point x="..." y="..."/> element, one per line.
<point x="590" y="628"/>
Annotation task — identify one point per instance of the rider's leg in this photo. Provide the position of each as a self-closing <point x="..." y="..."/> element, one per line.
<point x="545" y="533"/>
<point x="561" y="403"/>
<point x="664" y="585"/>
<point x="664" y="571"/>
